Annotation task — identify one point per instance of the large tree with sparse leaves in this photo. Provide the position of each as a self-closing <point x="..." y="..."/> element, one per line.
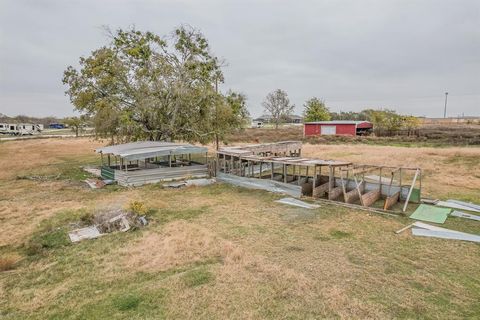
<point x="277" y="106"/>
<point x="143" y="86"/>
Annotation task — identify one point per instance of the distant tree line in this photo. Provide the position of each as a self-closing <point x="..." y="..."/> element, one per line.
<point x="27" y="119"/>
<point x="385" y="121"/>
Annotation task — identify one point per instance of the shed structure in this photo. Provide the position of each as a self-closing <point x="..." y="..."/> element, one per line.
<point x="261" y="167"/>
<point x="142" y="162"/>
<point x="341" y="127"/>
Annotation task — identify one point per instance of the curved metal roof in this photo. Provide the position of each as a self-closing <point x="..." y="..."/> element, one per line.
<point x="149" y="149"/>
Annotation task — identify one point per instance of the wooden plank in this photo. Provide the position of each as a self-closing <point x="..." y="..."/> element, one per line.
<point x="410" y="191"/>
<point x="320" y="191"/>
<point x="351" y="196"/>
<point x="390" y="201"/>
<point x="335" y="193"/>
<point x="370" y="197"/>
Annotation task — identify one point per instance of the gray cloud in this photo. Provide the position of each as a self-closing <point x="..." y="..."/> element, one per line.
<point x="354" y="54"/>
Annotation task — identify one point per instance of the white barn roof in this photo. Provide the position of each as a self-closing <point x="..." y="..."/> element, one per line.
<point x="337" y="122"/>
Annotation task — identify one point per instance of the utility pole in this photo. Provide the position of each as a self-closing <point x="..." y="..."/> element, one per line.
<point x="216" y="114"/>
<point x="445" y="110"/>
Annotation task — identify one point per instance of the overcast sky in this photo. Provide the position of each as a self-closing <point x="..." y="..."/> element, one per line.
<point x="354" y="54"/>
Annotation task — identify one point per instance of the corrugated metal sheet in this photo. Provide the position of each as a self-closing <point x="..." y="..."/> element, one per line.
<point x="150" y="149"/>
<point x="447" y="234"/>
<point x="262" y="184"/>
<point x="141" y="177"/>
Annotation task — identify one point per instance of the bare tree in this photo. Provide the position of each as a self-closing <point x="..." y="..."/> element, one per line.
<point x="277" y="105"/>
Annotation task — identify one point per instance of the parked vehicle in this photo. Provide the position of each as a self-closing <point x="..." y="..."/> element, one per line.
<point x="257" y="124"/>
<point x="20" y="129"/>
<point x="57" y="126"/>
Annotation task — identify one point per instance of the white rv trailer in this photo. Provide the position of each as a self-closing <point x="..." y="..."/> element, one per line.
<point x="21" y="128"/>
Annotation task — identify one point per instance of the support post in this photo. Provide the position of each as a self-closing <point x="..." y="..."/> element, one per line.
<point x="410" y="191"/>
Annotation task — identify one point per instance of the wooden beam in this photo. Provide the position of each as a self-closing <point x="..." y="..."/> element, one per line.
<point x="335" y="193"/>
<point x="370" y="197"/>
<point x="410" y="191"/>
<point x="320" y="191"/>
<point x="391" y="200"/>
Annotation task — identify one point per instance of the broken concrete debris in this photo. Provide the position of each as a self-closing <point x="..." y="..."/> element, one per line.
<point x="199" y="182"/>
<point x="95" y="183"/>
<point x="298" y="203"/>
<point x="108" y="222"/>
<point x="188" y="183"/>
<point x="77" y="235"/>
<point x="98" y="183"/>
<point x="93" y="171"/>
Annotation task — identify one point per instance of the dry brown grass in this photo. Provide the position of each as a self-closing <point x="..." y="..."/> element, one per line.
<point x="266" y="260"/>
<point x="21" y="156"/>
<point x="446" y="172"/>
<point x="8" y="262"/>
<point x="179" y="243"/>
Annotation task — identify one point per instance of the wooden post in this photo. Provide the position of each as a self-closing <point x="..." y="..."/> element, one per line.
<point x="411" y="189"/>
<point x="284" y="173"/>
<point x="380" y="181"/>
<point x="314" y="178"/>
<point x="331" y="182"/>
<point x="400" y="182"/>
<point x="260" y="173"/>
<point x="273" y="169"/>
<point x="224" y="163"/>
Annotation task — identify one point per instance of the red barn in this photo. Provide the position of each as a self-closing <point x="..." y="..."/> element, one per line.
<point x="339" y="127"/>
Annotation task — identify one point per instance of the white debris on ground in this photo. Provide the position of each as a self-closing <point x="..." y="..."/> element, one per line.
<point x="465" y="215"/>
<point x="95" y="183"/>
<point x="455" y="205"/>
<point x="426" y="230"/>
<point x="93" y="171"/>
<point x="298" y="203"/>
<point x="188" y="183"/>
<point x="200" y="182"/>
<point x="466" y="204"/>
<point x="108" y="222"/>
<point x="84" y="233"/>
